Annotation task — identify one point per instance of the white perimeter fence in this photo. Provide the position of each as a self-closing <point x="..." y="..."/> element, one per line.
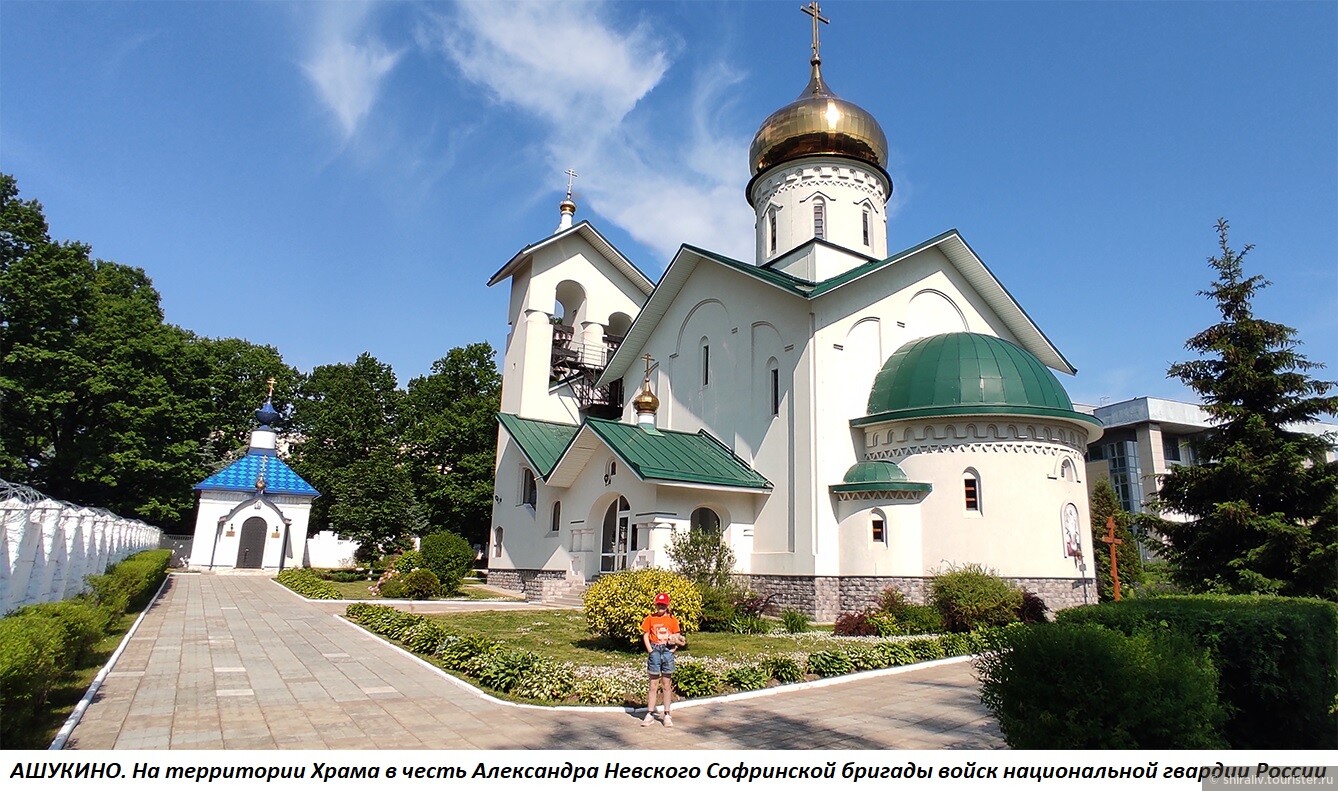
<point x="48" y="547"/>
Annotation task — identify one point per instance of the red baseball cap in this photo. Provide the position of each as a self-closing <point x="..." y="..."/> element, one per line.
<point x="661" y="598"/>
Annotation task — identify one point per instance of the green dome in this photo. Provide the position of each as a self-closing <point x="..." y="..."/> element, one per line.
<point x="878" y="476"/>
<point x="964" y="373"/>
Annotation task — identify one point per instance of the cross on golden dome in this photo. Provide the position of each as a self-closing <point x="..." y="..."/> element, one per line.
<point x="815" y="11"/>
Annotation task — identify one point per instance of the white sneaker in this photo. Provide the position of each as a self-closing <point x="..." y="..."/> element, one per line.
<point x="668" y="721"/>
<point x="648" y="719"/>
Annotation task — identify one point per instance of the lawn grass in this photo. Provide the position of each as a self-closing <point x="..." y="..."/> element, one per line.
<point x="470" y="589"/>
<point x="561" y="635"/>
<point x="70" y="689"/>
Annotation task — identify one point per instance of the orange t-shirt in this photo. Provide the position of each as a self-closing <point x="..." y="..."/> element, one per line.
<point x="659" y="627"/>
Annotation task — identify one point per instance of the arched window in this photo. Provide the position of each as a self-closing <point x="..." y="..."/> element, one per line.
<point x="556" y="523"/>
<point x="878" y="528"/>
<point x="819" y="218"/>
<point x="529" y="488"/>
<point x="1067" y="472"/>
<point x="497" y="543"/>
<point x="771" y="230"/>
<point x="866" y="227"/>
<point x="774" y="381"/>
<point x="971" y="490"/>
<point x="704" y="519"/>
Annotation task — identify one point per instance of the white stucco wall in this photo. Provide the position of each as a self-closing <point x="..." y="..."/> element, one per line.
<point x="848" y="189"/>
<point x="216" y="546"/>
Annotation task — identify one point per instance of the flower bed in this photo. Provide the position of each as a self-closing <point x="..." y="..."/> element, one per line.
<point x="527" y="675"/>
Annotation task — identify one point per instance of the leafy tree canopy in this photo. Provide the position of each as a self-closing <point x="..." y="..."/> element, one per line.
<point x="1263" y="503"/>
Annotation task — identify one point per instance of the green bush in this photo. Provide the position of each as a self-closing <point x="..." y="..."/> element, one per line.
<point x="892" y="601"/>
<point x="1156" y="692"/>
<point x="972" y="596"/>
<point x="341" y="575"/>
<point x="955" y="645"/>
<point x="750" y="624"/>
<point x="703" y="557"/>
<point x="409" y="561"/>
<point x="1277" y="659"/>
<point x="925" y="649"/>
<point x="505" y="669"/>
<point x="830" y="663"/>
<point x="82" y="624"/>
<point x="747" y="677"/>
<point x="616" y="604"/>
<point x="920" y="619"/>
<point x="421" y="584"/>
<point x="307" y="583"/>
<point x="783" y="669"/>
<point x="600" y="691"/>
<point x="895" y="654"/>
<point x="449" y="556"/>
<point x="864" y="657"/>
<point x="546" y="680"/>
<point x="29" y="651"/>
<point x="795" y="622"/>
<point x="717" y="607"/>
<point x="694" y="680"/>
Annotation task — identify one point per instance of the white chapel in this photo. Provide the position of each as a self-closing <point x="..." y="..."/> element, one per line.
<point x="847" y="418"/>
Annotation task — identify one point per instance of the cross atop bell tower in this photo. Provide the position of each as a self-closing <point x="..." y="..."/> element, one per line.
<point x="815" y="11"/>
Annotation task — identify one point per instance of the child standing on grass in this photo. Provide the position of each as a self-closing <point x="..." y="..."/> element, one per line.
<point x="661" y="636"/>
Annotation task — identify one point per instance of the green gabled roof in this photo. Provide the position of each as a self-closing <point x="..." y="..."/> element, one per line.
<point x="676" y="456"/>
<point x="542" y="442"/>
<point x="775" y="277"/>
<point x="879" y="475"/>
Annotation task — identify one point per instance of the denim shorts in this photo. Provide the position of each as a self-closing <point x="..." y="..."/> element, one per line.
<point x="661" y="661"/>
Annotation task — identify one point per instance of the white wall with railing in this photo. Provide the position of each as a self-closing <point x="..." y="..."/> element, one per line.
<point x="48" y="547"/>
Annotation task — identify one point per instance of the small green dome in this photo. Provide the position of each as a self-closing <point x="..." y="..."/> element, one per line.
<point x="965" y="373"/>
<point x="875" y="472"/>
<point x="878" y="476"/>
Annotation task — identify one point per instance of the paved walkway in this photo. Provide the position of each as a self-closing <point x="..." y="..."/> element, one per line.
<point x="235" y="662"/>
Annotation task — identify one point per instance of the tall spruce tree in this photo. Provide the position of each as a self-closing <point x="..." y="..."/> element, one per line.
<point x="1263" y="503"/>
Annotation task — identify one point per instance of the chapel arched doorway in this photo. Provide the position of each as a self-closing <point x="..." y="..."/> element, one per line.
<point x="251" y="547"/>
<point x="617" y="526"/>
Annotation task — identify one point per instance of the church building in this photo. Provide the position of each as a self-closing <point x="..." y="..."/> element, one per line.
<point x="253" y="513"/>
<point x="845" y="417"/>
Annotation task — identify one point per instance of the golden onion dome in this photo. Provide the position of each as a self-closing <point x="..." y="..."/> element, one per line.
<point x="818" y="122"/>
<point x="645" y="401"/>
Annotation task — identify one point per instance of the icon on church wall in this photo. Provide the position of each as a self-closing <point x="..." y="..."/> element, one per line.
<point x="1072" y="536"/>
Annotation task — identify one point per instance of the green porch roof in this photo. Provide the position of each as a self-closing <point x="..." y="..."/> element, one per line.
<point x="676" y="456"/>
<point x="542" y="442"/>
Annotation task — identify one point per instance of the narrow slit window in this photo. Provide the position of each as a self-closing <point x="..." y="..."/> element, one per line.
<point x="819" y="218"/>
<point x="556" y="523"/>
<point x="775" y="390"/>
<point x="771" y="231"/>
<point x="879" y="530"/>
<point x="866" y="227"/>
<point x="706" y="364"/>
<point x="529" y="490"/>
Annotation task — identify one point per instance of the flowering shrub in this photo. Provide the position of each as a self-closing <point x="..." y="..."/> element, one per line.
<point x="615" y="604"/>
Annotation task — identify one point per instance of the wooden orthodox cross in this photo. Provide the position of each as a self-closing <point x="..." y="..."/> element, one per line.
<point x="1110" y="539"/>
<point x="813" y="10"/>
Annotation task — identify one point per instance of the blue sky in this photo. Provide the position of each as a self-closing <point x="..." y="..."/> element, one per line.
<point x="340" y="178"/>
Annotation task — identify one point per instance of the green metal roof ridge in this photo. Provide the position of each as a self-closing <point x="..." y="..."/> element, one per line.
<point x="966" y="410"/>
<point x="771" y="263"/>
<point x="833" y="283"/>
<point x="884" y="486"/>
<point x="795" y="285"/>
<point x="514" y="423"/>
<point x="608" y="432"/>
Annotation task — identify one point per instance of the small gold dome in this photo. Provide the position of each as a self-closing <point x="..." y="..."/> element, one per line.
<point x="645" y="401"/>
<point x="818" y="122"/>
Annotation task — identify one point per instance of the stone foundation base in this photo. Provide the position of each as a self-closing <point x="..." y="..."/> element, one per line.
<point x="534" y="583"/>
<point x="824" y="598"/>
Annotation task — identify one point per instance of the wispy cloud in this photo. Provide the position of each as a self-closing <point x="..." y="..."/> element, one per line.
<point x="662" y="180"/>
<point x="346" y="63"/>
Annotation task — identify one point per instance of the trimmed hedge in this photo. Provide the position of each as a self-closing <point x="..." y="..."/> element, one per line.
<point x="41" y="643"/>
<point x="421" y="584"/>
<point x="1277" y="659"/>
<point x="1079" y="687"/>
<point x="307" y="583"/>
